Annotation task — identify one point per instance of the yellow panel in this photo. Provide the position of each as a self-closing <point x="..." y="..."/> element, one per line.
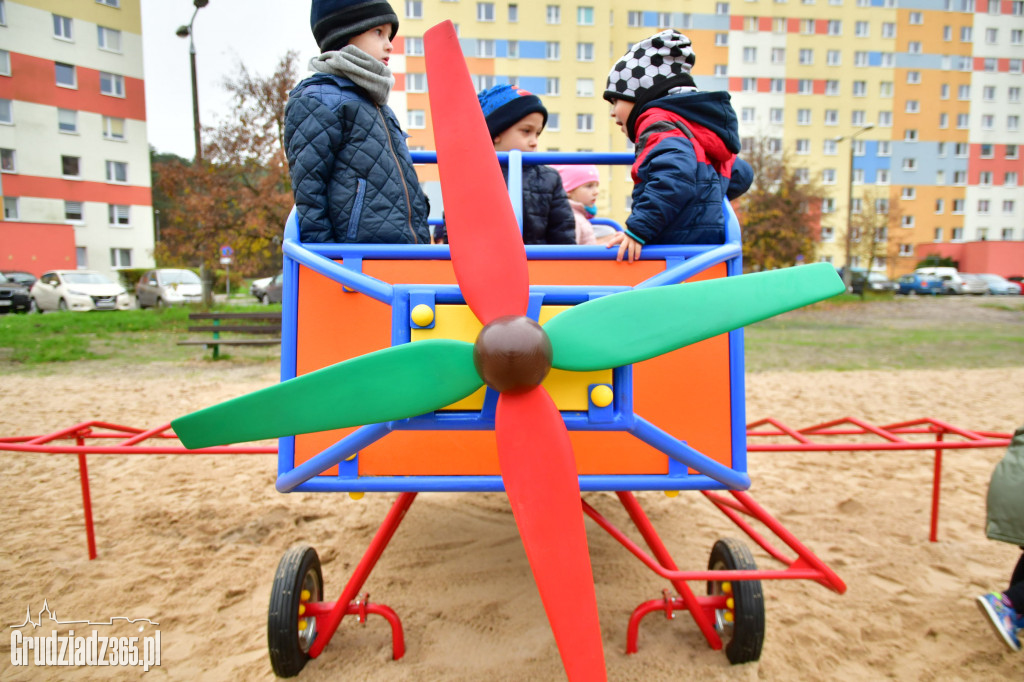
<point x="126" y="18"/>
<point x="567" y="389"/>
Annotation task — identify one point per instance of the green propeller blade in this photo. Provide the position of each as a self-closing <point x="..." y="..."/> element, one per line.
<point x="636" y="325"/>
<point x="393" y="383"/>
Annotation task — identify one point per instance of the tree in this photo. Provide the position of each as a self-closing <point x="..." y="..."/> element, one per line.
<point x="240" y="194"/>
<point x="877" y="219"/>
<point x="780" y="212"/>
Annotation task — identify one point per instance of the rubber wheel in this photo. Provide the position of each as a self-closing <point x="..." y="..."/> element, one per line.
<point x="743" y="636"/>
<point x="62" y="305"/>
<point x="298" y="571"/>
<point x="34" y="307"/>
<point x="265" y="299"/>
<point x="160" y="304"/>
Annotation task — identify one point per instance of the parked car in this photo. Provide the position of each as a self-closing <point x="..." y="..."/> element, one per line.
<point x="999" y="285"/>
<point x="26" y="278"/>
<point x="879" y="282"/>
<point x="953" y="282"/>
<point x="78" y="290"/>
<point x="168" y="286"/>
<point x="915" y="283"/>
<point x="259" y="286"/>
<point x="273" y="293"/>
<point x="1018" y="280"/>
<point x="973" y="284"/>
<point x="13" y="296"/>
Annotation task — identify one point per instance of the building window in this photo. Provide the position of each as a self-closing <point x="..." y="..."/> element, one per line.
<point x="585" y="16"/>
<point x="908" y="193"/>
<point x="861" y="58"/>
<point x="120" y="258"/>
<point x="62" y="27"/>
<point x="991" y="35"/>
<point x="963" y="93"/>
<point x="6" y="112"/>
<point x="751" y="24"/>
<point x="1010" y="178"/>
<point x="65" y="75"/>
<point x="513" y="13"/>
<point x="806" y="56"/>
<point x="1013" y="123"/>
<point x="802" y="175"/>
<point x="721" y="70"/>
<point x="553" y="50"/>
<point x="828" y="176"/>
<point x="67" y="121"/>
<point x="5" y="63"/>
<point x="554" y="14"/>
<point x="749" y="55"/>
<point x="805" y="86"/>
<point x="778" y="85"/>
<point x="913" y="106"/>
<point x="914" y="47"/>
<point x="416" y="82"/>
<point x="862" y="29"/>
<point x="73" y="211"/>
<point x="803" y="146"/>
<point x="485" y="48"/>
<point x="1007" y="234"/>
<point x="944" y="91"/>
<point x="916" y="18"/>
<point x="906" y="250"/>
<point x="635" y="19"/>
<point x="513" y="49"/>
<point x="830" y="147"/>
<point x="485" y="11"/>
<point x="940" y="205"/>
<point x="832" y="88"/>
<point x="70" y="166"/>
<point x="747" y="114"/>
<point x="118" y="215"/>
<point x="483" y="82"/>
<point x="414" y="46"/>
<point x="907" y="221"/>
<point x="860" y="88"/>
<point x="108" y="38"/>
<point x="552" y="87"/>
<point x="828" y="205"/>
<point x="1012" y="151"/>
<point x="111" y="84"/>
<point x="413" y="9"/>
<point x="721" y="39"/>
<point x="958" y="234"/>
<point x="584" y="87"/>
<point x="831" y="117"/>
<point x="584" y="52"/>
<point x="109" y="3"/>
<point x="1016" y="36"/>
<point x="858" y="117"/>
<point x="417" y="119"/>
<point x="10" y="208"/>
<point x="554" y="121"/>
<point x="117" y="171"/>
<point x="983" y="206"/>
<point x="985" y="178"/>
<point x="888" y="29"/>
<point x="584" y="123"/>
<point x="775" y="115"/>
<point x="664" y="19"/>
<point x="3" y="14"/>
<point x="835" y="27"/>
<point x="778" y="55"/>
<point x="748" y="85"/>
<point x="721" y="8"/>
<point x="960" y="177"/>
<point x="913" y="77"/>
<point x="962" y="121"/>
<point x="7" y="163"/>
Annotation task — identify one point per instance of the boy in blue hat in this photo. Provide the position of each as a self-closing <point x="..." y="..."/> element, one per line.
<point x="352" y="175"/>
<point x="515" y="119"/>
<point x="686" y="146"/>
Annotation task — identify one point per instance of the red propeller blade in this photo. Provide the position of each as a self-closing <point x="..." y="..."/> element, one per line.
<point x="539" y="470"/>
<point x="487" y="249"/>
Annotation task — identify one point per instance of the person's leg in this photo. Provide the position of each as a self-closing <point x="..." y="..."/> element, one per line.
<point x="1015" y="593"/>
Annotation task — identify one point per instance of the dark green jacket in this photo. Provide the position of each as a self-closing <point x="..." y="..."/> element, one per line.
<point x="1006" y="495"/>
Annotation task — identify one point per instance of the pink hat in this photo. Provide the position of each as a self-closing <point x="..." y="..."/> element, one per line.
<point x="573" y="176"/>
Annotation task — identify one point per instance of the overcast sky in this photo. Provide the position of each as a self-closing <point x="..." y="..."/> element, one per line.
<point x="226" y="33"/>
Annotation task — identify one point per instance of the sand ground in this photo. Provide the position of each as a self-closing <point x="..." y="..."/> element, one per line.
<point x="192" y="543"/>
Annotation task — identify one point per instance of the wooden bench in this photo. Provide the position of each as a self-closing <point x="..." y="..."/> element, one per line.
<point x="236" y="323"/>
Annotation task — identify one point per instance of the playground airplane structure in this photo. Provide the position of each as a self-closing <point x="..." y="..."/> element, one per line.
<point x="399" y="361"/>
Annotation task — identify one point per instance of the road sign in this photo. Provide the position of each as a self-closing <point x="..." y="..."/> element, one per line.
<point x="227" y="251"/>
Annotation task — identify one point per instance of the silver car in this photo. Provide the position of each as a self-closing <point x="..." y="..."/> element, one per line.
<point x="168" y="286"/>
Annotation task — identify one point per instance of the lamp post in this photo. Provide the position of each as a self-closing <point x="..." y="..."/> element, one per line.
<point x="186" y="32"/>
<point x="847" y="274"/>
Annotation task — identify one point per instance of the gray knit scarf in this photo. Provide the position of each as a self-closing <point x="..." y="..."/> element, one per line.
<point x="352" y="63"/>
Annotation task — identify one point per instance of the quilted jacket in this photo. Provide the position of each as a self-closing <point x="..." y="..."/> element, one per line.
<point x="1005" y="500"/>
<point x="352" y="175"/>
<point x="547" y="216"/>
<point x="685" y="164"/>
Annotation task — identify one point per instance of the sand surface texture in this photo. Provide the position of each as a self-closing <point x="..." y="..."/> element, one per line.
<point x="192" y="542"/>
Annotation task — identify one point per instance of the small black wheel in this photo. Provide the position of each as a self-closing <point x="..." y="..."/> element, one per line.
<point x="62" y="305"/>
<point x="289" y="636"/>
<point x="742" y="626"/>
<point x="265" y="299"/>
<point x="160" y="305"/>
<point x="33" y="306"/>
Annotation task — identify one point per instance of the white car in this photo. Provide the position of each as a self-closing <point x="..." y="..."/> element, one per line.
<point x="999" y="285"/>
<point x="259" y="287"/>
<point x="78" y="290"/>
<point x="168" y="286"/>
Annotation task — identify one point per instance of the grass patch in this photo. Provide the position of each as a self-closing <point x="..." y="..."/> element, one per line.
<point x="130" y="336"/>
<point x="808" y="344"/>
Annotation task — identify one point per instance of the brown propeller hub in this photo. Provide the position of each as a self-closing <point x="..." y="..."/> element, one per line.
<point x="512" y="354"/>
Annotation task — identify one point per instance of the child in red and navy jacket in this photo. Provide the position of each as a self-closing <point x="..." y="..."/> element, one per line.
<point x="686" y="146"/>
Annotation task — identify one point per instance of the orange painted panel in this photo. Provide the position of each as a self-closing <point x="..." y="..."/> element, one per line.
<point x="34" y="80"/>
<point x="17" y="185"/>
<point x="686" y="393"/>
<point x="36" y="247"/>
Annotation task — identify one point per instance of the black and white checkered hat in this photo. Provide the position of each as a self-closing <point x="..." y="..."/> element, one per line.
<point x="652" y="68"/>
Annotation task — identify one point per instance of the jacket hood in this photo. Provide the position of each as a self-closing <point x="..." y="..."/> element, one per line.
<point x="711" y="110"/>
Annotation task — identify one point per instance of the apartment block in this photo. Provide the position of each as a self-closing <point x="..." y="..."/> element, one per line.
<point x="74" y="156"/>
<point x="926" y="95"/>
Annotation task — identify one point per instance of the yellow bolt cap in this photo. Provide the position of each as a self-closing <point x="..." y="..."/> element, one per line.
<point x="728" y="617"/>
<point x="302" y="609"/>
<point x="304" y="595"/>
<point x="671" y="493"/>
<point x="727" y="587"/>
<point x="356" y="496"/>
<point x="422" y="315"/>
<point x="302" y="625"/>
<point x="602" y="395"/>
<point x="730" y="604"/>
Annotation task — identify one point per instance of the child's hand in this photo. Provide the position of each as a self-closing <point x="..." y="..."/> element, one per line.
<point x="627" y="246"/>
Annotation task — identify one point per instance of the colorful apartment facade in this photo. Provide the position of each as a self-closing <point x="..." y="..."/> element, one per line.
<point x="929" y="92"/>
<point x="74" y="155"/>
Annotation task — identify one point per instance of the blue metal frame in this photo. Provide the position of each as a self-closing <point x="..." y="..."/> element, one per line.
<point x="681" y="262"/>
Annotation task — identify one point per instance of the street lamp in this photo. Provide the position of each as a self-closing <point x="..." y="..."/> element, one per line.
<point x="847" y="275"/>
<point x="186" y="32"/>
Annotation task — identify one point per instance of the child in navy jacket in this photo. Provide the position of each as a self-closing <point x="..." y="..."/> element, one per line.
<point x="686" y="146"/>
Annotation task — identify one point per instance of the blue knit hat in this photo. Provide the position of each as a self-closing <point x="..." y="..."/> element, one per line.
<point x="505" y="105"/>
<point x="335" y="22"/>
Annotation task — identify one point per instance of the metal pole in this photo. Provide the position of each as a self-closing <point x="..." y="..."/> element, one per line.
<point x="195" y="94"/>
<point x="847" y="274"/>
